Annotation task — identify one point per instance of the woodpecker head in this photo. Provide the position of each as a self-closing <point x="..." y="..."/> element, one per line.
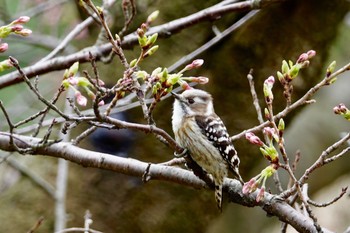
<point x="193" y="102"/>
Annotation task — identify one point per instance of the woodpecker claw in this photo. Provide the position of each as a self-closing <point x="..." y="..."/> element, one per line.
<point x="182" y="154"/>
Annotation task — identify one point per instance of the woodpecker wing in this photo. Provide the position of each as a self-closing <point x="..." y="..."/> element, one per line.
<point x="214" y="129"/>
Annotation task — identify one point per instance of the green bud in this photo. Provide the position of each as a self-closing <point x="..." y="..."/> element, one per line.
<point x="173" y="79"/>
<point x="73" y="69"/>
<point x="281" y="125"/>
<point x="285" y="67"/>
<point x="293" y="72"/>
<point x="154" y="90"/>
<point x="65" y="84"/>
<point x="280" y="76"/>
<point x="142" y="41"/>
<point x="157" y="86"/>
<point x="141" y="74"/>
<point x="152" y="16"/>
<point x="268" y="171"/>
<point x="156" y="71"/>
<point x="65" y="75"/>
<point x="270" y="153"/>
<point x="99" y="9"/>
<point x="164" y="75"/>
<point x="151" y="51"/>
<point x="169" y="89"/>
<point x="152" y="39"/>
<point x="83" y="82"/>
<point x="332" y="80"/>
<point x="267" y="114"/>
<point x="290" y="63"/>
<point x="133" y="63"/>
<point x="5" y="64"/>
<point x="331" y="68"/>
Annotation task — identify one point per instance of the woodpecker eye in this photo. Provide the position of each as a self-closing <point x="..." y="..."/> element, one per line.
<point x="190" y="101"/>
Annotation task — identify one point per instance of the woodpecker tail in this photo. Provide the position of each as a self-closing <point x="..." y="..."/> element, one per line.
<point x="218" y="196"/>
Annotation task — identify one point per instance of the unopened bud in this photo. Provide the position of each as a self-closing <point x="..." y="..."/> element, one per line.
<point x="21" y="20"/>
<point x="280" y="77"/>
<point x="331" y="68"/>
<point x="270" y="153"/>
<point x="285" y="67"/>
<point x="3" y="47"/>
<point x="195" y="64"/>
<point x="133" y="63"/>
<point x="24" y="32"/>
<point x="200" y="80"/>
<point x="281" y="125"/>
<point x="267" y="114"/>
<point x="268" y="84"/>
<point x="252" y="138"/>
<point x="17" y="28"/>
<point x="250" y="186"/>
<point x="152" y="16"/>
<point x="151" y="51"/>
<point x="260" y="195"/>
<point x="81" y="100"/>
<point x="6" y="64"/>
<point x="73" y="69"/>
<point x="340" y="109"/>
<point x="303" y="57"/>
<point x="311" y="53"/>
<point x="152" y="39"/>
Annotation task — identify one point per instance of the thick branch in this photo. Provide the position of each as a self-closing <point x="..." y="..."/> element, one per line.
<point x="164" y="30"/>
<point x="271" y="204"/>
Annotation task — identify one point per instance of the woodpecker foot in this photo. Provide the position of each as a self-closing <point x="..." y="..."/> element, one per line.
<point x="182" y="154"/>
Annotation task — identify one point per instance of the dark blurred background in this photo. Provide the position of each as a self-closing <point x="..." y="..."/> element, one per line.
<point x="120" y="203"/>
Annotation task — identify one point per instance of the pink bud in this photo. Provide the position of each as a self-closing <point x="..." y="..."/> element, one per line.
<point x="311" y="53"/>
<point x="270" y="81"/>
<point x="21" y="20"/>
<point x="195" y="64"/>
<point x="3" y="47"/>
<point x="24" y="32"/>
<point x="252" y="138"/>
<point x="200" y="80"/>
<point x="270" y="132"/>
<point x="17" y="28"/>
<point x="340" y="109"/>
<point x="73" y="80"/>
<point x="101" y="103"/>
<point x="303" y="57"/>
<point x="185" y="86"/>
<point x="81" y="100"/>
<point x="260" y="195"/>
<point x="250" y="186"/>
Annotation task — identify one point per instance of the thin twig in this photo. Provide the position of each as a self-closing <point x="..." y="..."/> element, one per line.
<point x="129" y="15"/>
<point x="302" y="101"/>
<point x="36" y="225"/>
<point x="163" y="30"/>
<point x="255" y="96"/>
<point x="41" y="98"/>
<point x="115" y="46"/>
<point x="305" y="191"/>
<point x="189" y="57"/>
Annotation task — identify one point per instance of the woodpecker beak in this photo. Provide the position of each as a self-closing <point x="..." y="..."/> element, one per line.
<point x="176" y="96"/>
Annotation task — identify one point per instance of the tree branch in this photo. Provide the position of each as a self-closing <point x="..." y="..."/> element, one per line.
<point x="164" y="30"/>
<point x="271" y="203"/>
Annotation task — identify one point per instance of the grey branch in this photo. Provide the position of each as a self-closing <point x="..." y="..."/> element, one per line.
<point x="164" y="30"/>
<point x="271" y="203"/>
